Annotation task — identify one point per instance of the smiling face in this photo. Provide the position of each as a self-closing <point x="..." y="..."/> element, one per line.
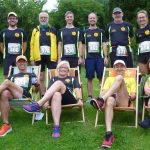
<point x="43" y="18"/>
<point x="117" y="16"/>
<point x="142" y="19"/>
<point x="63" y="70"/>
<point x="92" y="19"/>
<point x="22" y="65"/>
<point x="12" y="21"/>
<point x="69" y="17"/>
<point x="120" y="68"/>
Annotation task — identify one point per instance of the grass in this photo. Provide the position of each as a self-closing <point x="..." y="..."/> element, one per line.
<point x="74" y="135"/>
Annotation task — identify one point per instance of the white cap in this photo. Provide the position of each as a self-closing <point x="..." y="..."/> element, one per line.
<point x="119" y="62"/>
<point x="12" y="13"/>
<point x="117" y="9"/>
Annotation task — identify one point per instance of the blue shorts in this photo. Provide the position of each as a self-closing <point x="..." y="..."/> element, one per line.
<point x="92" y="65"/>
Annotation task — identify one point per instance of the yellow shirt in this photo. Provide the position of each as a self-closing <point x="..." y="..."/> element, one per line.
<point x="130" y="84"/>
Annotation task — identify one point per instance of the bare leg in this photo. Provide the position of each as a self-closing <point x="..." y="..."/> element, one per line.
<point x="89" y="87"/>
<point x="14" y="89"/>
<point x="56" y="107"/>
<point x="4" y="105"/>
<point x="42" y="86"/>
<point x="57" y="86"/>
<point x="143" y="68"/>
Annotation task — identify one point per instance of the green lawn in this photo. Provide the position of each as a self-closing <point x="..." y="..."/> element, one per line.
<point x="75" y="135"/>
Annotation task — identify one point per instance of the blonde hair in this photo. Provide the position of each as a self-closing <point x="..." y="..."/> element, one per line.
<point x="142" y="11"/>
<point x="62" y="63"/>
<point x="69" y="12"/>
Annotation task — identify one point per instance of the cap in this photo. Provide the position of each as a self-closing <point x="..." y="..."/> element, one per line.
<point x="119" y="62"/>
<point x="12" y="13"/>
<point x="21" y="57"/>
<point x="117" y="9"/>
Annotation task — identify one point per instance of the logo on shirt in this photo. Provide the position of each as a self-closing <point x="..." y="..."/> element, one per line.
<point x="88" y="35"/>
<point x="16" y="34"/>
<point x="47" y="33"/>
<point x="96" y="34"/>
<point x="73" y="33"/>
<point x="26" y="75"/>
<point x="147" y="32"/>
<point x="67" y="80"/>
<point x="113" y="30"/>
<point x="123" y="28"/>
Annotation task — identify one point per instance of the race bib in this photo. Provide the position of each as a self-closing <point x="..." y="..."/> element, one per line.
<point x="69" y="49"/>
<point x="144" y="47"/>
<point x="121" y="51"/>
<point x="22" y="81"/>
<point x="93" y="47"/>
<point x="14" y="48"/>
<point x="45" y="50"/>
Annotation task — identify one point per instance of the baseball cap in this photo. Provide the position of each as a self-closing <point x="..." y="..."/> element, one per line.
<point x="119" y="62"/>
<point x="12" y="13"/>
<point x="21" y="57"/>
<point x="117" y="9"/>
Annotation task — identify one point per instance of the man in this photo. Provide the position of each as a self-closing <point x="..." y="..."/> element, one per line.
<point x="13" y="42"/>
<point x="143" y="39"/>
<point x="117" y="91"/>
<point x="60" y="92"/>
<point x="16" y="86"/>
<point x="70" y="42"/>
<point x="120" y="35"/>
<point x="96" y="48"/>
<point x="43" y="47"/>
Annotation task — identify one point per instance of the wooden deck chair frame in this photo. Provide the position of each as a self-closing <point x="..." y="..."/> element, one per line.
<point x="20" y="102"/>
<point x="53" y="72"/>
<point x="133" y="106"/>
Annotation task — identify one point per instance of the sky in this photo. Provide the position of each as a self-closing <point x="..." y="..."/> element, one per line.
<point x="50" y="5"/>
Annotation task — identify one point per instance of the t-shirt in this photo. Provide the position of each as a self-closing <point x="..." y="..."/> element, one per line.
<point x="93" y="39"/>
<point x="130" y="84"/>
<point x="13" y="40"/>
<point x="70" y="38"/>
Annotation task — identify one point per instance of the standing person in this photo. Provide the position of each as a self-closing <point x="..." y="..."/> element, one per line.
<point x="143" y="39"/>
<point x="13" y="42"/>
<point x="70" y="42"/>
<point x="43" y="47"/>
<point x="120" y="35"/>
<point x="96" y="48"/>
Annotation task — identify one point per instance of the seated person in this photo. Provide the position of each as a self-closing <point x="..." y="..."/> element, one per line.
<point x="146" y="122"/>
<point x="16" y="86"/>
<point x="117" y="91"/>
<point x="61" y="92"/>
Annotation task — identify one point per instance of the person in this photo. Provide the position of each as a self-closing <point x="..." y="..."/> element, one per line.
<point x="13" y="42"/>
<point x="145" y="87"/>
<point x="43" y="47"/>
<point x="95" y="45"/>
<point x="60" y="92"/>
<point x="143" y="39"/>
<point x="117" y="91"/>
<point x="70" y="42"/>
<point x="120" y="36"/>
<point x="15" y="86"/>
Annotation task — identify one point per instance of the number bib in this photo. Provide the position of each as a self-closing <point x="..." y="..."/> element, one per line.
<point x="14" y="48"/>
<point x="22" y="81"/>
<point x="69" y="49"/>
<point x="121" y="51"/>
<point x="144" y="47"/>
<point x="45" y="50"/>
<point x="93" y="47"/>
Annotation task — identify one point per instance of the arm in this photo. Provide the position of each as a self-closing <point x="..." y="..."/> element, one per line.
<point x="104" y="46"/>
<point x="24" y="47"/>
<point x="81" y="53"/>
<point x="78" y="96"/>
<point x="59" y="51"/>
<point x="147" y="88"/>
<point x="1" y="47"/>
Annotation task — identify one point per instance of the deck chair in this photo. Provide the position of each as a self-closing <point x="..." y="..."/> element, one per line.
<point x="130" y="73"/>
<point x="35" y="94"/>
<point x="144" y="97"/>
<point x="73" y="72"/>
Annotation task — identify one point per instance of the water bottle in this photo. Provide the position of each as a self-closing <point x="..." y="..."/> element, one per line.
<point x="34" y="78"/>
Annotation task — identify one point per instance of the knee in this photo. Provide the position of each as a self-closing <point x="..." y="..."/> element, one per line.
<point x="110" y="102"/>
<point x="7" y="82"/>
<point x="59" y="83"/>
<point x="119" y="78"/>
<point x="5" y="95"/>
<point x="57" y="96"/>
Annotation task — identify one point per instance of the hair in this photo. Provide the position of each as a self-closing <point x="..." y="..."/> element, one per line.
<point x="43" y="12"/>
<point x="93" y="13"/>
<point x="62" y="63"/>
<point x="69" y="12"/>
<point x="142" y="11"/>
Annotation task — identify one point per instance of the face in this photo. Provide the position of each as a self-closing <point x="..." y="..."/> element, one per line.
<point x="92" y="18"/>
<point x="43" y="18"/>
<point x="142" y="19"/>
<point x="69" y="18"/>
<point x="22" y="65"/>
<point x="12" y="20"/>
<point x="120" y="69"/>
<point x="63" y="70"/>
<point x="117" y="16"/>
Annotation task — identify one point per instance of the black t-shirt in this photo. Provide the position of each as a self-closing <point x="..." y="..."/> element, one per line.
<point x="93" y="39"/>
<point x="70" y="82"/>
<point x="24" y="80"/>
<point x="119" y="34"/>
<point x="143" y="34"/>
<point x="70" y="38"/>
<point x="13" y="40"/>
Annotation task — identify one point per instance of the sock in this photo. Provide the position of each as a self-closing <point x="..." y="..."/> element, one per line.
<point x="108" y="134"/>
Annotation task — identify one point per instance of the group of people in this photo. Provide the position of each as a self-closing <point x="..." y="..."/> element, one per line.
<point x="69" y="48"/>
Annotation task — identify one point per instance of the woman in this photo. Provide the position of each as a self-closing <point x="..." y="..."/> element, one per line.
<point x="61" y="92"/>
<point x="143" y="39"/>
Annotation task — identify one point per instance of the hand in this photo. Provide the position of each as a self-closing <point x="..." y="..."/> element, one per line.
<point x="105" y="61"/>
<point x="80" y="61"/>
<point x="32" y="63"/>
<point x="80" y="102"/>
